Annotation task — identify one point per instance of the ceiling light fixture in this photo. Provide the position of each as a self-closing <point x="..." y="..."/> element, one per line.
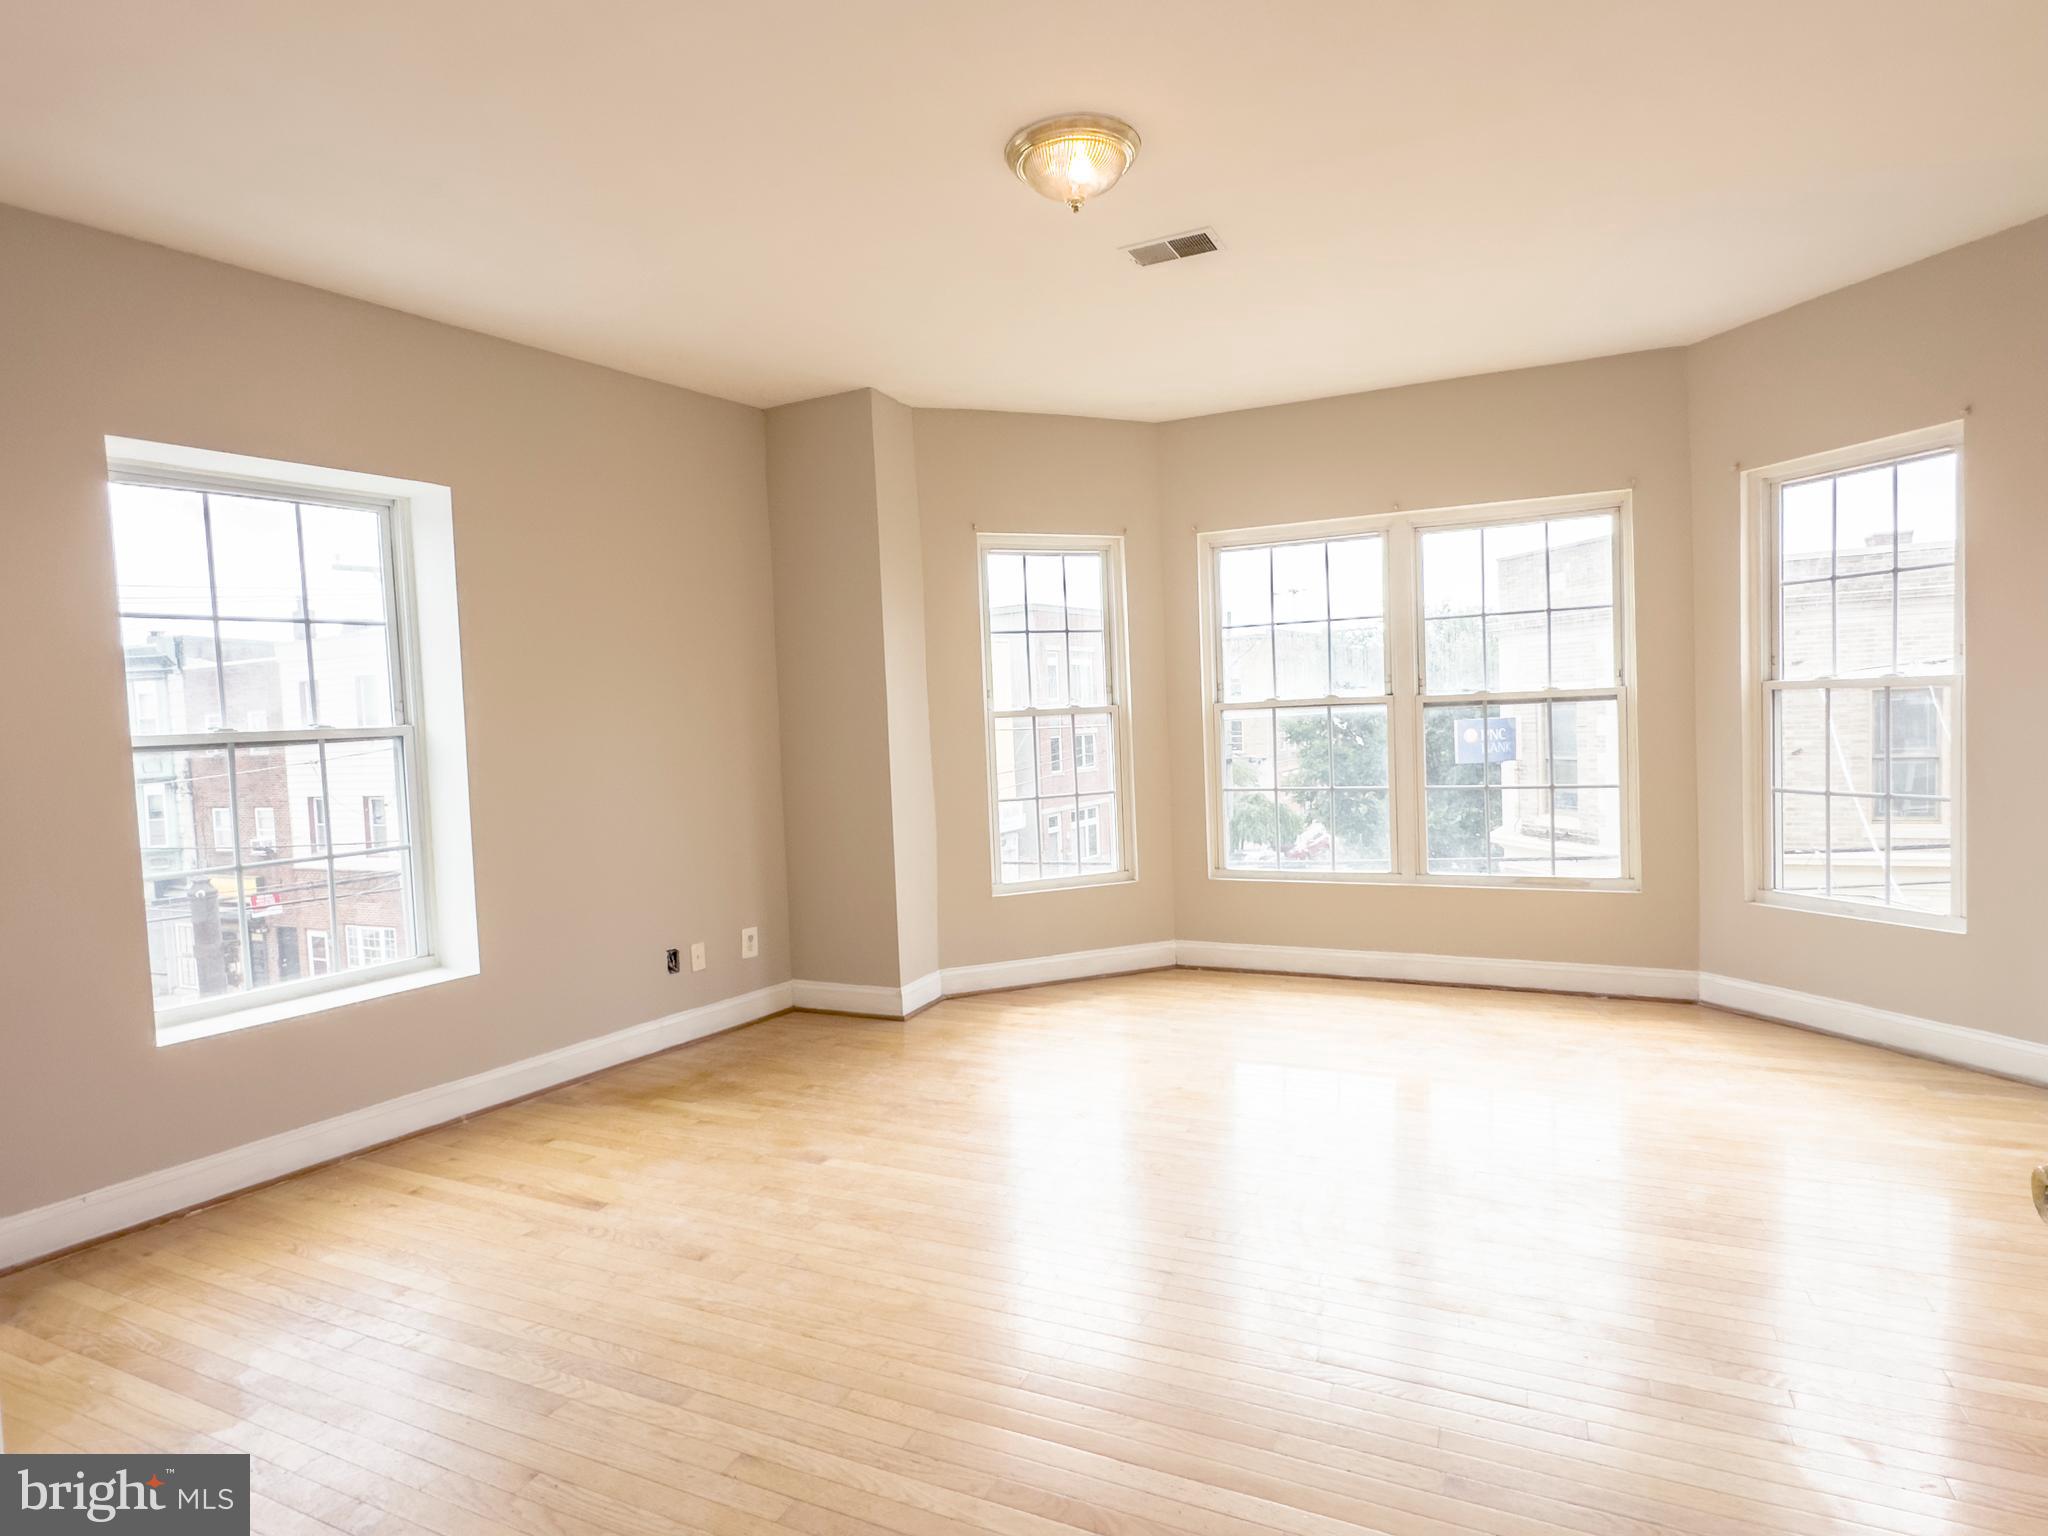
<point x="1073" y="158"/>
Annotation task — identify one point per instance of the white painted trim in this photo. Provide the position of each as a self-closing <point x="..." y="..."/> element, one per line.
<point x="1455" y="970"/>
<point x="1068" y="967"/>
<point x="66" y="1223"/>
<point x="1987" y="1052"/>
<point x="848" y="997"/>
<point x="923" y="992"/>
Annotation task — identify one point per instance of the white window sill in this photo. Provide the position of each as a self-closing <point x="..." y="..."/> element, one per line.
<point x="1442" y="882"/>
<point x="1860" y="911"/>
<point x="1078" y="883"/>
<point x="202" y="1021"/>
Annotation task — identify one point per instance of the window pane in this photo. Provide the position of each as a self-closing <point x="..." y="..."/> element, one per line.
<point x="1045" y="585"/>
<point x="1358" y="578"/>
<point x="1059" y="854"/>
<point x="173" y="685"/>
<point x="1802" y="843"/>
<point x="1588" y="832"/>
<point x="1453" y="656"/>
<point x="1863" y="521"/>
<point x="1806" y="531"/>
<point x="1301" y="661"/>
<point x="1359" y="742"/>
<point x="159" y="551"/>
<point x="1453" y="750"/>
<point x="1358" y="823"/>
<point x="1520" y="830"/>
<point x="1927" y="619"/>
<point x="1450" y="572"/>
<point x="175" y="797"/>
<point x="1094" y="754"/>
<point x="364" y="788"/>
<point x="1585" y="742"/>
<point x="1250" y="829"/>
<point x="1927" y="510"/>
<point x="1244" y="583"/>
<point x="271" y="784"/>
<point x="1299" y="590"/>
<point x="1802" y="751"/>
<point x="1017" y="839"/>
<point x="195" y="937"/>
<point x="1855" y="745"/>
<point x="1455" y="830"/>
<point x="1048" y="667"/>
<point x="1582" y="648"/>
<point x="1856" y="847"/>
<point x="344" y="562"/>
<point x="1087" y="680"/>
<point x="1084" y="591"/>
<point x="1006" y="593"/>
<point x="1582" y="562"/>
<point x="1358" y="657"/>
<point x="1923" y="857"/>
<point x="1515" y="577"/>
<point x="353" y="670"/>
<point x="1096" y="834"/>
<point x="1305" y="842"/>
<point x="1009" y="666"/>
<point x="1247" y="664"/>
<point x="256" y="558"/>
<point x="1806" y="637"/>
<point x="1248" y="748"/>
<point x="1304" y="747"/>
<point x="1517" y="749"/>
<point x="1517" y="659"/>
<point x="1863" y="626"/>
<point x="289" y="921"/>
<point x="263" y="666"/>
<point x="1917" y="722"/>
<point x="373" y="898"/>
<point x="1016" y="758"/>
<point x="1055" y="756"/>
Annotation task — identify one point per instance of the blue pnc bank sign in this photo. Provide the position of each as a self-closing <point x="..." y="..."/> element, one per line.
<point x="172" y="1496"/>
<point x="1486" y="741"/>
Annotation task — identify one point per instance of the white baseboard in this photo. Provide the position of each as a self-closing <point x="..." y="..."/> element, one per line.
<point x="1456" y="970"/>
<point x="849" y="997"/>
<point x="2003" y="1054"/>
<point x="1068" y="967"/>
<point x="66" y="1223"/>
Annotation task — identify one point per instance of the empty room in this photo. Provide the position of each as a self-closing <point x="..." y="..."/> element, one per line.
<point x="894" y="769"/>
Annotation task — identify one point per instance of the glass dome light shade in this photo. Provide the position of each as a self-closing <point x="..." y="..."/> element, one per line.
<point x="1071" y="159"/>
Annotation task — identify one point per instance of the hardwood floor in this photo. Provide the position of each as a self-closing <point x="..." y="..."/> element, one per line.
<point x="1174" y="1253"/>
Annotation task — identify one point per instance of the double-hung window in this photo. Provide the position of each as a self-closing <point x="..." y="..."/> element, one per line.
<point x="1859" y="623"/>
<point x="274" y="746"/>
<point x="1429" y="696"/>
<point x="1055" y="678"/>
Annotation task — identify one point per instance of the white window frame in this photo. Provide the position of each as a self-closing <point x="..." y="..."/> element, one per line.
<point x="319" y="953"/>
<point x="1406" y="699"/>
<point x="223" y="817"/>
<point x="265" y="834"/>
<point x="1760" y="491"/>
<point x="1116" y="687"/>
<point x="427" y="708"/>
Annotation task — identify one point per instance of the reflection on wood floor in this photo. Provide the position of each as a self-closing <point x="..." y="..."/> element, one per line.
<point x="1175" y="1253"/>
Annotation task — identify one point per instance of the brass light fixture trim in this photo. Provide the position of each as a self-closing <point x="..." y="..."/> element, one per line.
<point x="1073" y="157"/>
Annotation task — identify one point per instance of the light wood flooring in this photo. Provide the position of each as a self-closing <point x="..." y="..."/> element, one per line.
<point x="1176" y="1253"/>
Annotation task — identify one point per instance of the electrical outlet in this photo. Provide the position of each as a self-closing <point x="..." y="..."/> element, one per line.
<point x="675" y="962"/>
<point x="697" y="956"/>
<point x="750" y="943"/>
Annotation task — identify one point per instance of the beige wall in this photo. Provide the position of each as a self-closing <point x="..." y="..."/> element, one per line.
<point x="615" y="596"/>
<point x="1596" y="426"/>
<point x="1037" y="474"/>
<point x="1965" y="332"/>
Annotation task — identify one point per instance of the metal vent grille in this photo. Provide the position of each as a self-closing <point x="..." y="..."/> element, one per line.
<point x="1196" y="242"/>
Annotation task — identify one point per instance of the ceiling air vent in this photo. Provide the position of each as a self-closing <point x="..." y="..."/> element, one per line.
<point x="1196" y="242"/>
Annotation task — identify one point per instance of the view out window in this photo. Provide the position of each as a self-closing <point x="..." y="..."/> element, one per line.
<point x="275" y="613"/>
<point x="1422" y="696"/>
<point x="1862" y="681"/>
<point x="1054" y="665"/>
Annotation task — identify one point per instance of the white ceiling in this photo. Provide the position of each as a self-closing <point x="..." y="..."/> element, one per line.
<point x="771" y="201"/>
